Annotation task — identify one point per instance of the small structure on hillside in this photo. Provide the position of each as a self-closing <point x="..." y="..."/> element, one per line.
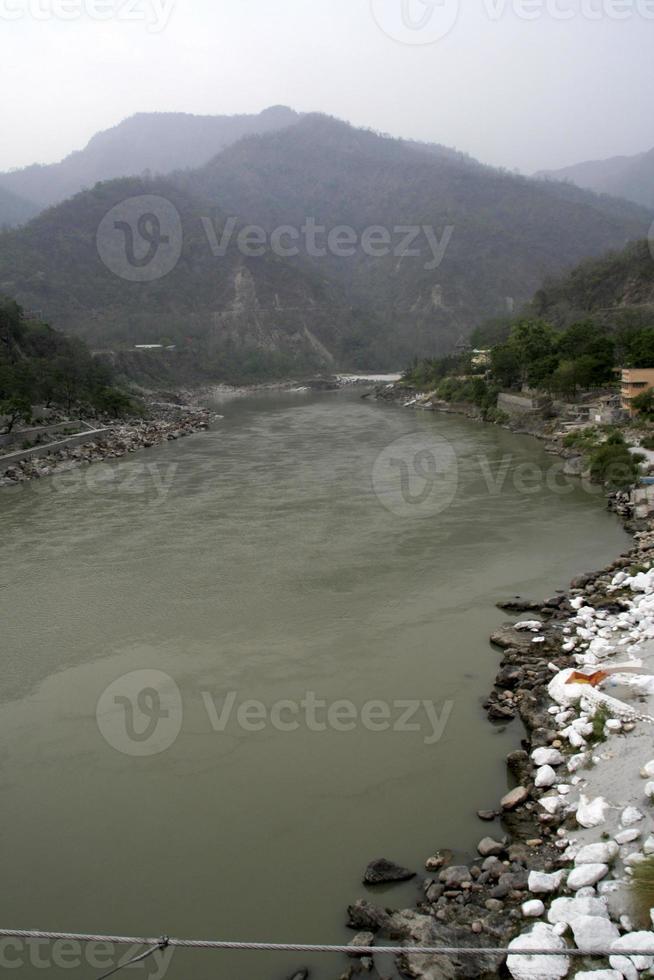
<point x="634" y="382"/>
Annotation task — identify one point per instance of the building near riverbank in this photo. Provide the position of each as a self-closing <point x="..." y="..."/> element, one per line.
<point x="634" y="382"/>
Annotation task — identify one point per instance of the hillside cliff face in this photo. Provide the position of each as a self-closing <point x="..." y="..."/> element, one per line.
<point x="371" y="251"/>
<point x="228" y="311"/>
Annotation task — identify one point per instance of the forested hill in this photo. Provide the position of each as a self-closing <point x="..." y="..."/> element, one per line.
<point x="482" y="241"/>
<point x="41" y="366"/>
<point x="15" y="210"/>
<point x="617" y="288"/>
<point x="233" y="312"/>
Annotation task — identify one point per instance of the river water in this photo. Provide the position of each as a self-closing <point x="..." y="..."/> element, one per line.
<point x="264" y="560"/>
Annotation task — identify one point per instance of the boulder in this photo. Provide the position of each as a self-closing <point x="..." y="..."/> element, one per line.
<point x="515" y="798"/>
<point x="594" y="933"/>
<point x="547" y="757"/>
<point x="586" y="874"/>
<point x="490" y="848"/>
<point x="455" y="876"/>
<point x="636" y="940"/>
<point x="540" y="883"/>
<point x="382" y="872"/>
<point x="533" y="908"/>
<point x="567" y="909"/>
<point x="602" y="852"/>
<point x="363" y="916"/>
<point x="361" y="939"/>
<point x="545" y="777"/>
<point x="522" y="966"/>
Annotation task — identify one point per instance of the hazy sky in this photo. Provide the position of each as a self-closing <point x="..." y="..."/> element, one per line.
<point x="511" y="82"/>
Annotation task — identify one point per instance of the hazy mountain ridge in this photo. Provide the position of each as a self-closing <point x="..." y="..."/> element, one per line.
<point x="507" y="234"/>
<point x="158" y="142"/>
<point x="629" y="177"/>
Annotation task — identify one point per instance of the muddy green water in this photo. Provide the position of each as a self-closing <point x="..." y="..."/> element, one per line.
<point x="270" y="557"/>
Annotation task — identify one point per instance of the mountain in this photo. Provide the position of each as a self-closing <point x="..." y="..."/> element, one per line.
<point x="507" y="232"/>
<point x="616" y="290"/>
<point x="440" y="242"/>
<point x="15" y="210"/>
<point x="629" y="177"/>
<point x="227" y="315"/>
<point x="157" y="142"/>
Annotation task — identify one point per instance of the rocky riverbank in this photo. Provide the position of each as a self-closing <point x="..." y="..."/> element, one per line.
<point x="163" y="422"/>
<point x="553" y="869"/>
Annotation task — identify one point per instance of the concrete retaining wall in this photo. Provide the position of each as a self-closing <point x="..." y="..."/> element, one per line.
<point x="20" y="435"/>
<point x="78" y="439"/>
<point x="521" y="404"/>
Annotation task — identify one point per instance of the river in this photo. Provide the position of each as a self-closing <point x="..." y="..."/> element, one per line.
<point x="264" y="560"/>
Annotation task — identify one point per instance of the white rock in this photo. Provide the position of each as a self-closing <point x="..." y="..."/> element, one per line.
<point x="540" y="883"/>
<point x="634" y="858"/>
<point x="647" y="772"/>
<point x="525" y="967"/>
<point x="528" y="624"/>
<point x="624" y="965"/>
<point x="545" y="777"/>
<point x="532" y="909"/>
<point x="601" y="853"/>
<point x="598" y="975"/>
<point x="591" y="813"/>
<point x="586" y="892"/>
<point x="576" y="740"/>
<point x="637" y="940"/>
<point x="576" y="762"/>
<point x="630" y="816"/>
<point x="586" y="874"/>
<point x="594" y="933"/>
<point x="649" y="789"/>
<point x="613" y="725"/>
<point x="648" y="846"/>
<point x="628" y="835"/>
<point x="552" y="804"/>
<point x="547" y="757"/>
<point x="567" y="909"/>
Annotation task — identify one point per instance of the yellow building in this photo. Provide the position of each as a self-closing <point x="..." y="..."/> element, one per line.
<point x="634" y="382"/>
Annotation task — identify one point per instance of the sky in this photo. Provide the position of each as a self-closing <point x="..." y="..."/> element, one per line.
<point x="523" y="84"/>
